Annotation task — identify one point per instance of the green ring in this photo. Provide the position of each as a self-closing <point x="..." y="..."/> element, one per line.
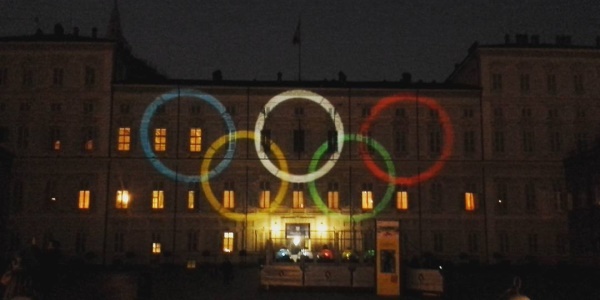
<point x="386" y="197"/>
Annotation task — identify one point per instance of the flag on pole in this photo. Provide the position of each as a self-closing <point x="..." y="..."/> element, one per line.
<point x="296" y="39"/>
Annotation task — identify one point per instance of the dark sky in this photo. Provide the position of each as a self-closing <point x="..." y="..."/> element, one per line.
<point x="368" y="40"/>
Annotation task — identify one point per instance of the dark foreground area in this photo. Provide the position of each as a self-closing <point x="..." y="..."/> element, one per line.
<point x="207" y="282"/>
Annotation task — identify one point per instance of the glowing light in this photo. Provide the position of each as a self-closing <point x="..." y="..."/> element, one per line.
<point x="296" y="240"/>
<point x="385" y="200"/>
<point x="158" y="165"/>
<point x="321" y="228"/>
<point x="436" y="167"/>
<point x="210" y="196"/>
<point x="298" y="94"/>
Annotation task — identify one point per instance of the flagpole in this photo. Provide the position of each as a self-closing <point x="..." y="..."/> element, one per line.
<point x="300" y="60"/>
<point x="298" y="40"/>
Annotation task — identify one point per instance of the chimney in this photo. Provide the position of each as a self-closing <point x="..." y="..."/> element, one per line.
<point x="406" y="77"/>
<point x="217" y="75"/>
<point x="76" y="31"/>
<point x="341" y="77"/>
<point x="94" y="32"/>
<point x="563" y="40"/>
<point x="279" y="76"/>
<point x="506" y="39"/>
<point x="522" y="39"/>
<point x="535" y="39"/>
<point x="58" y="29"/>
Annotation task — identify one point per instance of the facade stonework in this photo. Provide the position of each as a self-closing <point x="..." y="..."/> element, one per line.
<point x="86" y="175"/>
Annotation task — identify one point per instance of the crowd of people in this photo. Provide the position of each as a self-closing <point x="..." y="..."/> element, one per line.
<point x="30" y="273"/>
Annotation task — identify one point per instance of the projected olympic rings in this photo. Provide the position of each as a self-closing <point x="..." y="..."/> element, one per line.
<point x="163" y="99"/>
<point x="260" y="123"/>
<point x="385" y="200"/>
<point x="281" y="171"/>
<point x="444" y="120"/>
<point x="211" y="196"/>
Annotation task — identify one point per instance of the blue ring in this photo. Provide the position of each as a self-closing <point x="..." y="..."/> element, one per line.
<point x="158" y="165"/>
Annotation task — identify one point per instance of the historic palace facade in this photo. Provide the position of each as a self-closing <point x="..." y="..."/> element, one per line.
<point x="112" y="162"/>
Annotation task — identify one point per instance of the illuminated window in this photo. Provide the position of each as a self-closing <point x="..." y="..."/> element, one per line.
<point x="160" y="139"/>
<point x="367" y="196"/>
<point x="298" y="195"/>
<point x="228" y="195"/>
<point x="333" y="196"/>
<point x="265" y="194"/>
<point x="88" y="138"/>
<point x="401" y="200"/>
<point x="191" y="264"/>
<point x="156" y="245"/>
<point x="158" y="199"/>
<point x="55" y="138"/>
<point x="156" y="248"/>
<point x="84" y="200"/>
<point x="228" y="241"/>
<point x="124" y="141"/>
<point x="123" y="199"/>
<point x="195" y="139"/>
<point x="469" y="201"/>
<point x="191" y="199"/>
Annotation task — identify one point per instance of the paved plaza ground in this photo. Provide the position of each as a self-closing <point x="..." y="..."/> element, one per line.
<point x="206" y="282"/>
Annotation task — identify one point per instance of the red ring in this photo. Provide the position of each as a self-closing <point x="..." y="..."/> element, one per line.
<point x="436" y="167"/>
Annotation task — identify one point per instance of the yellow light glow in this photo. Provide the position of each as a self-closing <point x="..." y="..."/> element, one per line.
<point x="321" y="227"/>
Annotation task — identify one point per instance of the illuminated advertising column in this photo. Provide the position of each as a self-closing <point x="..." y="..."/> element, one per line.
<point x="388" y="258"/>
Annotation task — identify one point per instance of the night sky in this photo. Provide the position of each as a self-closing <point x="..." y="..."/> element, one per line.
<point x="369" y="40"/>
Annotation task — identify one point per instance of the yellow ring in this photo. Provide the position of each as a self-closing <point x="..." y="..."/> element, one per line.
<point x="210" y="196"/>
